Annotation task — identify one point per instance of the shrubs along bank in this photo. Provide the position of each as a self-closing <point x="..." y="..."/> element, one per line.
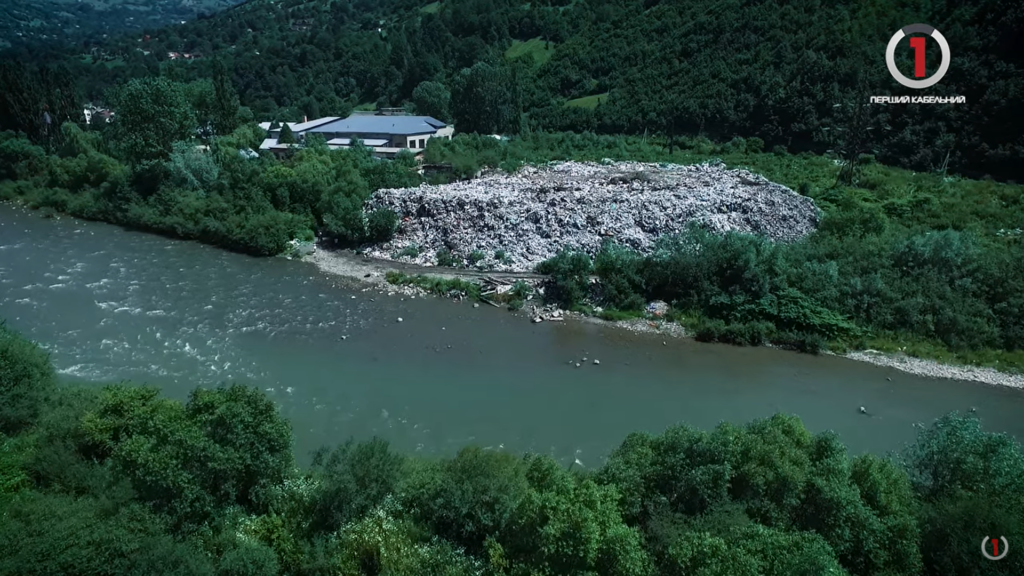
<point x="917" y="261"/>
<point x="528" y="216"/>
<point x="119" y="480"/>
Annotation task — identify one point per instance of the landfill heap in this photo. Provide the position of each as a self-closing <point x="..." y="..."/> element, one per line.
<point x="527" y="217"/>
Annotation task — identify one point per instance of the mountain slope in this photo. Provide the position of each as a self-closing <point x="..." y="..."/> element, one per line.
<point x="75" y="20"/>
<point x="796" y="74"/>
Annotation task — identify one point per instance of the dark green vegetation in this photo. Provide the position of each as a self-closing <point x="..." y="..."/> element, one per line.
<point x="118" y="480"/>
<point x="32" y="23"/>
<point x="796" y="74"/>
<point x="148" y="171"/>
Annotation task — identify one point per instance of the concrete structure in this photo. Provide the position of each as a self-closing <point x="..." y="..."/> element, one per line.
<point x="387" y="135"/>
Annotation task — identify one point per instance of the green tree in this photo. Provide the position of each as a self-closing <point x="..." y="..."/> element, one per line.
<point x="470" y="497"/>
<point x="191" y="168"/>
<point x="970" y="482"/>
<point x="225" y="105"/>
<point x="355" y="478"/>
<point x="57" y="534"/>
<point x="225" y="447"/>
<point x="286" y="136"/>
<point x="26" y="381"/>
<point x="151" y="115"/>
<point x="486" y="100"/>
<point x="569" y="272"/>
<point x="567" y="525"/>
<point x="433" y="99"/>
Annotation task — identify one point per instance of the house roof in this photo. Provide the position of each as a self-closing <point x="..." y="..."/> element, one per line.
<point x="397" y="125"/>
<point x="302" y="126"/>
<point x="371" y="142"/>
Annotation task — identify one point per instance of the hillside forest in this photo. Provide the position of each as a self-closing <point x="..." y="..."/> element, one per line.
<point x="793" y="73"/>
<point x="60" y="23"/>
<point x="118" y="480"/>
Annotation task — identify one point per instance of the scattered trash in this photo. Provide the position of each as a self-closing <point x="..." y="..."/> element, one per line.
<point x="657" y="308"/>
<point x="596" y="362"/>
<point x="399" y="319"/>
<point x="519" y="220"/>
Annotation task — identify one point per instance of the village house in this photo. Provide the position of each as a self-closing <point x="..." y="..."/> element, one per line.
<point x="386" y="135"/>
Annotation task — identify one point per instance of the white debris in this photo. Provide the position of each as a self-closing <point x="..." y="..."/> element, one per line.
<point x="519" y="220"/>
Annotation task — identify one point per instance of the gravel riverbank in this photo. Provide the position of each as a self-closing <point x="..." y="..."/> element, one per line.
<point x="933" y="369"/>
<point x="370" y="275"/>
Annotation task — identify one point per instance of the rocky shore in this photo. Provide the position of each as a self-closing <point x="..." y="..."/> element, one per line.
<point x="933" y="369"/>
<point x="514" y="221"/>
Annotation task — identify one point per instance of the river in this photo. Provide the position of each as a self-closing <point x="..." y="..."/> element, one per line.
<point x="116" y="305"/>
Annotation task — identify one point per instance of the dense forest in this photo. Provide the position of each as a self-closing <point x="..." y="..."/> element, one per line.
<point x="118" y="480"/>
<point x="796" y="73"/>
<point x="58" y="23"/>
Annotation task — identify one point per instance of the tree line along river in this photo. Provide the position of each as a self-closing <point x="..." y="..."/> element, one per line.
<point x="113" y="305"/>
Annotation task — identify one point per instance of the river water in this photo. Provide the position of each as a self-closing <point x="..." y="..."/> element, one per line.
<point x="116" y="305"/>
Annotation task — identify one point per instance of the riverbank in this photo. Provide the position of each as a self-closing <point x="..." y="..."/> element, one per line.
<point x="372" y="273"/>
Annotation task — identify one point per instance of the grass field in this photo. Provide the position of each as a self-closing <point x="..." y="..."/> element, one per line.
<point x="431" y="8"/>
<point x="535" y="47"/>
<point x="588" y="101"/>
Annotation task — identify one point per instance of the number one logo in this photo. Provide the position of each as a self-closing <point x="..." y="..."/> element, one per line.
<point x="917" y="43"/>
<point x="998" y="552"/>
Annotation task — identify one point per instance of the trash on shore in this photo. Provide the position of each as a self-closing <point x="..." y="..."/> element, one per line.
<point x="657" y="308"/>
<point x="515" y="221"/>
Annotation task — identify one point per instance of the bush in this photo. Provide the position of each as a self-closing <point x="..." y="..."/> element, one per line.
<point x="799" y="341"/>
<point x="476" y="256"/>
<point x="741" y="334"/>
<point x="26" y="381"/>
<point x="381" y="225"/>
<point x="410" y="251"/>
<point x="445" y="258"/>
<point x="569" y="277"/>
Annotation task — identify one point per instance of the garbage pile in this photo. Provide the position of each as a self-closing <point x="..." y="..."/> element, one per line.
<point x="512" y="222"/>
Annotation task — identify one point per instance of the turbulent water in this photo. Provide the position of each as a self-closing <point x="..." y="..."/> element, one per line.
<point x="115" y="305"/>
